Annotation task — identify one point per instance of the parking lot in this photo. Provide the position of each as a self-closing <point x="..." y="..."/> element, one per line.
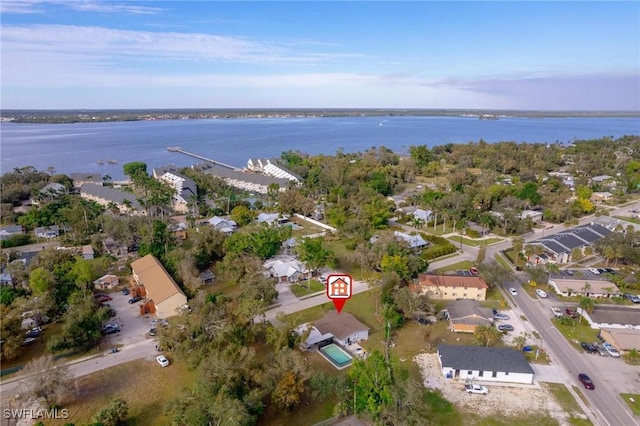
<point x="583" y="273"/>
<point x="133" y="327"/>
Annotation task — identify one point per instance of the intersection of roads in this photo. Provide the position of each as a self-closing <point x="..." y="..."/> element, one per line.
<point x="611" y="376"/>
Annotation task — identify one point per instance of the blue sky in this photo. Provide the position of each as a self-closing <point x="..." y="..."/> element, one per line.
<point x="561" y="55"/>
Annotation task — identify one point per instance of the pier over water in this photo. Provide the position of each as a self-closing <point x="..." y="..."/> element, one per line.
<point x="200" y="157"/>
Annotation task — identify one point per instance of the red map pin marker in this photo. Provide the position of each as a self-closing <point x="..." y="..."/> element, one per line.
<point x="339" y="289"/>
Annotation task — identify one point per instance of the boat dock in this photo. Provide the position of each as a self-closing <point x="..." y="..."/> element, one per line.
<point x="200" y="157"/>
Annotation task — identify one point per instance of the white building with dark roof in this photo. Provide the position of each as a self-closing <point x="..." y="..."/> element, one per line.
<point x="613" y="316"/>
<point x="184" y="187"/>
<point x="485" y="364"/>
<point x="559" y="246"/>
<point x="247" y="181"/>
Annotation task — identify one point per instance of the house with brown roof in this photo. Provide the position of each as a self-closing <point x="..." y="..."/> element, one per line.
<point x="465" y="315"/>
<point x="451" y="287"/>
<point x="161" y="295"/>
<point x="623" y="339"/>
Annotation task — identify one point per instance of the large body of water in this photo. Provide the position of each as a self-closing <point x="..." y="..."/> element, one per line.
<point x="78" y="147"/>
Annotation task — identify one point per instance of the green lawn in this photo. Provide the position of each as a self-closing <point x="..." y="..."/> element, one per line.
<point x="568" y="403"/>
<point x="576" y="333"/>
<point x="474" y="242"/>
<point x="635" y="404"/>
<point x="301" y="289"/>
<point x="145" y="386"/>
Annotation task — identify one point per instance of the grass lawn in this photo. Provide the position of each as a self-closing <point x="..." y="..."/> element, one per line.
<point x="145" y="386"/>
<point x="543" y="358"/>
<point x="301" y="289"/>
<point x="635" y="405"/>
<point x="576" y="333"/>
<point x="567" y="402"/>
<point x="475" y="243"/>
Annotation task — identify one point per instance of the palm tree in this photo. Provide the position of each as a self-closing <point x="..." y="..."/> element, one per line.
<point x="552" y="268"/>
<point x="587" y="305"/>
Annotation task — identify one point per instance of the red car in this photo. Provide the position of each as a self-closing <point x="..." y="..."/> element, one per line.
<point x="586" y="381"/>
<point x="571" y="313"/>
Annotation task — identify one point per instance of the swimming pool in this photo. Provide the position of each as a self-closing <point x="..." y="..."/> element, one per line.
<point x="336" y="356"/>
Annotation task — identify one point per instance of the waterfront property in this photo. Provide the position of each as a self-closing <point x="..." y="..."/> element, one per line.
<point x="185" y="188"/>
<point x="484" y="363"/>
<point x="252" y="182"/>
<point x="124" y="202"/>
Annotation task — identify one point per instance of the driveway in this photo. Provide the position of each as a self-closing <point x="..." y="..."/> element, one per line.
<point x="133" y="326"/>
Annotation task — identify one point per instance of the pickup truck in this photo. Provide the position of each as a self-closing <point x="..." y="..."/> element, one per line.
<point x="476" y="389"/>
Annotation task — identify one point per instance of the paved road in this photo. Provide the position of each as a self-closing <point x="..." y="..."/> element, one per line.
<point x="83" y="366"/>
<point x="606" y="407"/>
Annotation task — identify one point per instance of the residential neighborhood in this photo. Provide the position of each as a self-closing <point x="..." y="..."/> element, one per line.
<point x="237" y="272"/>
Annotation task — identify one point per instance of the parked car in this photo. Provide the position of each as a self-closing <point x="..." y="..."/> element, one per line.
<point x="135" y="299"/>
<point x="473" y="270"/>
<point x="610" y="271"/>
<point x="34" y="332"/>
<point x="594" y="271"/>
<point x="476" y="389"/>
<point x="125" y="291"/>
<point x="110" y="329"/>
<point x="572" y="313"/>
<point x="162" y="360"/>
<point x="613" y="352"/>
<point x="557" y="312"/>
<point x="505" y="327"/>
<point x="601" y="350"/>
<point x="513" y="291"/>
<point x="586" y="381"/>
<point x="569" y="271"/>
<point x="541" y="293"/>
<point x="153" y="332"/>
<point x="501" y="317"/>
<point x="589" y="348"/>
<point x="632" y="297"/>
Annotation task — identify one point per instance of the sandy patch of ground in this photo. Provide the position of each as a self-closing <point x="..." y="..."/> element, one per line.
<point x="505" y="399"/>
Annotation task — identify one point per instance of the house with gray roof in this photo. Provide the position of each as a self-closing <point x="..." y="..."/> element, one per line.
<point x="466" y="314"/>
<point x="484" y="364"/>
<point x="226" y="226"/>
<point x="47" y="231"/>
<point x="9" y="230"/>
<point x="287" y="270"/>
<point x="613" y="316"/>
<point x="415" y="242"/>
<point x="559" y="247"/>
<point x="126" y="202"/>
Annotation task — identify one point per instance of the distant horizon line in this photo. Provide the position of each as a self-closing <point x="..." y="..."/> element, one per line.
<point x="323" y="109"/>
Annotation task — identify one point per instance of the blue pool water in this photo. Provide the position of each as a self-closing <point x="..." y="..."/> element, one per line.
<point x="336" y="355"/>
